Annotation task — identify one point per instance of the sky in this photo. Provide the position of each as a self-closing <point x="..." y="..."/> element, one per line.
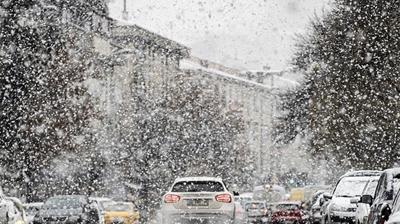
<point x="246" y="34"/>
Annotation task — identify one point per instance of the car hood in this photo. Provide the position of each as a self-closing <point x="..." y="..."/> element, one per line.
<point x="60" y="212"/>
<point x="343" y="202"/>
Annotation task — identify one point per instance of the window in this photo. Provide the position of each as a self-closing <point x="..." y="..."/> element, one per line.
<point x="287" y="207"/>
<point x="198" y="186"/>
<point x="350" y="186"/>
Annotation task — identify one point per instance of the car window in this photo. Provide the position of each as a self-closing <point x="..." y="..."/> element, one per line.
<point x="198" y="186"/>
<point x="370" y="188"/>
<point x="396" y="204"/>
<point x="315" y="197"/>
<point x="255" y="205"/>
<point x="268" y="196"/>
<point x="286" y="207"/>
<point x="350" y="187"/>
<point x="396" y="184"/>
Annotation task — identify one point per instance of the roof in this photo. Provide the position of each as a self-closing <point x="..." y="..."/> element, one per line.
<point x="146" y="37"/>
<point x="362" y="173"/>
<point x="393" y="171"/>
<point x="289" y="203"/>
<point x="246" y="195"/>
<point x="192" y="64"/>
<point x="99" y="199"/>
<point x="218" y="179"/>
<point x="35" y="204"/>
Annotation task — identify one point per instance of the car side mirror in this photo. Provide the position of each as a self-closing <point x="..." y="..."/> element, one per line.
<point x="366" y="199"/>
<point x="235" y="193"/>
<point x="327" y="196"/>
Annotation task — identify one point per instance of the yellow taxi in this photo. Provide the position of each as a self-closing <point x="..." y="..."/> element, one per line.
<point x="121" y="213"/>
<point x="297" y="194"/>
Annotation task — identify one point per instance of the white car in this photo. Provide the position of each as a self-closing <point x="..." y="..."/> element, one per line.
<point x="339" y="207"/>
<point x="363" y="209"/>
<point x="198" y="199"/>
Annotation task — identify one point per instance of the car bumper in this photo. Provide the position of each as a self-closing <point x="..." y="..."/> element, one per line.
<point x="258" y="219"/>
<point x="189" y="218"/>
<point x="348" y="217"/>
<point x="288" y="220"/>
<point x="211" y="217"/>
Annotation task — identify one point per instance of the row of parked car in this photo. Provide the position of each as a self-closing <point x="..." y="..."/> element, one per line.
<point x="68" y="209"/>
<point x="360" y="197"/>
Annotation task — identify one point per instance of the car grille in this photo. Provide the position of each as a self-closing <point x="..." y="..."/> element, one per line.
<point x="52" y="219"/>
<point x="352" y="209"/>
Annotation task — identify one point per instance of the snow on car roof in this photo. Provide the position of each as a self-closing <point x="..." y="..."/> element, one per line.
<point x="34" y="204"/>
<point x="362" y="173"/>
<point x="99" y="199"/>
<point x="289" y="203"/>
<point x="246" y="195"/>
<point x="218" y="179"/>
<point x="393" y="171"/>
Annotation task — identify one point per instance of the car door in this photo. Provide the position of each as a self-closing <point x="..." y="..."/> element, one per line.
<point x="378" y="199"/>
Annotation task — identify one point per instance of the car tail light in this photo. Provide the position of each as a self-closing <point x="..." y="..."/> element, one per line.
<point x="171" y="198"/>
<point x="225" y="198"/>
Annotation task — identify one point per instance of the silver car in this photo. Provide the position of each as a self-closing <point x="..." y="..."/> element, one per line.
<point x="198" y="199"/>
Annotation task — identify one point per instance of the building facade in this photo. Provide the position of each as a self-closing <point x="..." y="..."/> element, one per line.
<point x="250" y="96"/>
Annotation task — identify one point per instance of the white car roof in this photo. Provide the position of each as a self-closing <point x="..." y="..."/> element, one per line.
<point x="393" y="171"/>
<point x="99" y="199"/>
<point x="246" y="195"/>
<point x="362" y="173"/>
<point x="289" y="203"/>
<point x="34" y="204"/>
<point x="217" y="179"/>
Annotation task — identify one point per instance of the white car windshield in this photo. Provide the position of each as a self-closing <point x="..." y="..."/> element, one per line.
<point x="350" y="187"/>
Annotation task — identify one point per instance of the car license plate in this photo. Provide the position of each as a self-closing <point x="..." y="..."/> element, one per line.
<point x="197" y="202"/>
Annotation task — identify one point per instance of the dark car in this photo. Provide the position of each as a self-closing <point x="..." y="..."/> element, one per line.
<point x="289" y="212"/>
<point x="68" y="209"/>
<point x="381" y="203"/>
